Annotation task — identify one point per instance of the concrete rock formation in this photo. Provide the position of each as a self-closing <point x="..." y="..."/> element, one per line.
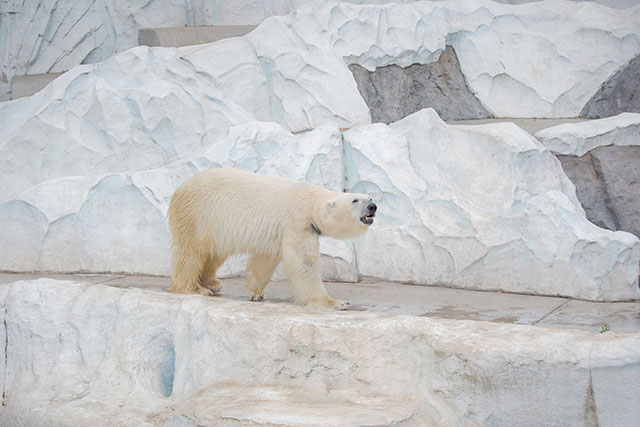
<point x="520" y="61"/>
<point x="607" y="185"/>
<point x="393" y="92"/>
<point x="438" y="223"/>
<point x="90" y="162"/>
<point x="82" y="354"/>
<point x="139" y="110"/>
<point x="47" y="37"/>
<point x="577" y="139"/>
<point x="508" y="219"/>
<point x="601" y="158"/>
<point x="88" y="166"/>
<point x="41" y="39"/>
<point x="619" y="94"/>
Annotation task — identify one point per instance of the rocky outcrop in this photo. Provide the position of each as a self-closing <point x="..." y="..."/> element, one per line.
<point x="601" y="157"/>
<point x="89" y="164"/>
<point x="479" y="209"/>
<point x="607" y="185"/>
<point x="498" y="44"/>
<point x="438" y="223"/>
<point x="47" y="37"/>
<point x="619" y="94"/>
<point x="393" y="92"/>
<point x="82" y="354"/>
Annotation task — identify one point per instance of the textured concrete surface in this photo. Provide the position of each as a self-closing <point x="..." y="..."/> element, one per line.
<point x="583" y="172"/>
<point x="188" y="36"/>
<point x="620" y="93"/>
<point x="27" y="85"/>
<point x="514" y="230"/>
<point x="425" y="301"/>
<point x="577" y="138"/>
<point x="531" y="125"/>
<point x="601" y="157"/>
<point x="607" y="185"/>
<point x="394" y="92"/>
<point x="77" y="353"/>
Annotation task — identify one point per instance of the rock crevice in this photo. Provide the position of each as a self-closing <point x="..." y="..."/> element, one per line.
<point x="393" y="92"/>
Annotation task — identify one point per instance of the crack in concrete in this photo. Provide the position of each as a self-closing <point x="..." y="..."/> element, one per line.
<point x="591" y="410"/>
<point x="550" y="313"/>
<point x="110" y="279"/>
<point x="6" y="352"/>
<point x="597" y="168"/>
<point x="343" y="154"/>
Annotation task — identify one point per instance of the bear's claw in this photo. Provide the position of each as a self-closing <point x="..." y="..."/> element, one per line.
<point x="214" y="285"/>
<point x="342" y="305"/>
<point x="204" y="291"/>
<point x="257" y="297"/>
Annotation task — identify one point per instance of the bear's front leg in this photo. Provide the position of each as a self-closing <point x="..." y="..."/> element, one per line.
<point x="301" y="262"/>
<point x="259" y="271"/>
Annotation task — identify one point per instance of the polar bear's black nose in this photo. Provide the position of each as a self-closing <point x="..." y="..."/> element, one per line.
<point x="372" y="208"/>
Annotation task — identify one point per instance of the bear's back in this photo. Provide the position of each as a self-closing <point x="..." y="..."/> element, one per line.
<point x="240" y="211"/>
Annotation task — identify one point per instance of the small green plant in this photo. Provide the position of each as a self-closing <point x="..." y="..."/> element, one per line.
<point x="605" y="328"/>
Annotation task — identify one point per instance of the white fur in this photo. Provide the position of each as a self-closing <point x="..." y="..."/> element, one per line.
<point x="222" y="212"/>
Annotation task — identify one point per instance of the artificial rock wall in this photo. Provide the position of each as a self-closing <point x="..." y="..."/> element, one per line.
<point x="601" y="158"/>
<point x="91" y="161"/>
<point x="84" y="354"/>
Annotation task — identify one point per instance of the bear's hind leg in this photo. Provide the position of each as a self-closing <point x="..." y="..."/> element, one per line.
<point x="259" y="270"/>
<point x="187" y="269"/>
<point x="208" y="278"/>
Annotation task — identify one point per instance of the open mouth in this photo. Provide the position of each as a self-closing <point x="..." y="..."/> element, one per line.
<point x="367" y="219"/>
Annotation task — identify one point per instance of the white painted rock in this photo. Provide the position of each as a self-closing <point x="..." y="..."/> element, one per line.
<point x="474" y="207"/>
<point x="520" y="60"/>
<point x="601" y="158"/>
<point x="276" y="76"/>
<point x="116" y="222"/>
<point x="139" y="110"/>
<point x="82" y="354"/>
<point x="88" y="165"/>
<point x="577" y="139"/>
<point x="43" y="37"/>
<point x="483" y="207"/>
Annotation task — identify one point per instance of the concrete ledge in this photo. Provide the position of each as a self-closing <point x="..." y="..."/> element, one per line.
<point x="531" y="125"/>
<point x="22" y="86"/>
<point x="86" y="354"/>
<point x="187" y="36"/>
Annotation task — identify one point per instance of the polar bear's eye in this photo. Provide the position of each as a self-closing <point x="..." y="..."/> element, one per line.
<point x="355" y="201"/>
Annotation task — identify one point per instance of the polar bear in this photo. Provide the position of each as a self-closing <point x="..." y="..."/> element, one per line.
<point x="222" y="212"/>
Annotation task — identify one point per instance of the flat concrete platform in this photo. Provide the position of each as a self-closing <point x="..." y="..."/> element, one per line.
<point x="427" y="301"/>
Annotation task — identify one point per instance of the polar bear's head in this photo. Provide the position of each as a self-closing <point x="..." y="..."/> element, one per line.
<point x="346" y="215"/>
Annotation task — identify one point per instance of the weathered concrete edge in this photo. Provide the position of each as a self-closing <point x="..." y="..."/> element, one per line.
<point x="27" y="85"/>
<point x="579" y="138"/>
<point x="454" y="372"/>
<point x="189" y="36"/>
